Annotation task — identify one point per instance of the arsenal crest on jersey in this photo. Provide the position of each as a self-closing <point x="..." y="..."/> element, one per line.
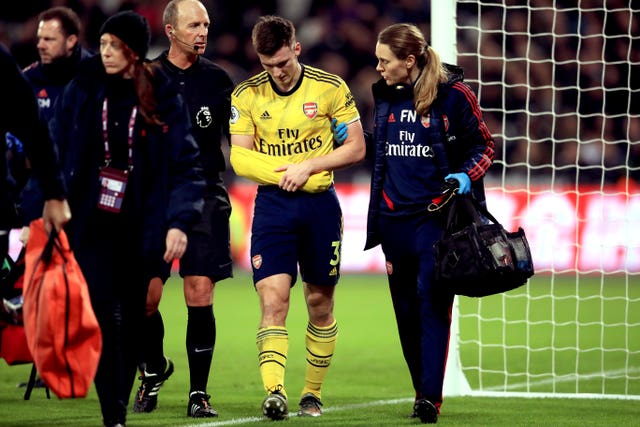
<point x="310" y="109"/>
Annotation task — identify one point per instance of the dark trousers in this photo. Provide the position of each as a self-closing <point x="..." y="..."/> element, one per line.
<point x="111" y="262"/>
<point x="422" y="310"/>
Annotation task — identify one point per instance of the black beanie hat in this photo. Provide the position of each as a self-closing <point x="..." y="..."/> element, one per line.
<point x="132" y="29"/>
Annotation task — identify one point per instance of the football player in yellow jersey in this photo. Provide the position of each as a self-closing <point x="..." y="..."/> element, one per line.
<point x="282" y="138"/>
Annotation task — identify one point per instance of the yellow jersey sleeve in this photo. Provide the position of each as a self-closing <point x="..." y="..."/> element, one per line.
<point x="261" y="169"/>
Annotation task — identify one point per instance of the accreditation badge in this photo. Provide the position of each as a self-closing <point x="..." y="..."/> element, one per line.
<point x="113" y="183"/>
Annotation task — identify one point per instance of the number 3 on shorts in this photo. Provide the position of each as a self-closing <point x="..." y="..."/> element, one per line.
<point x="336" y="252"/>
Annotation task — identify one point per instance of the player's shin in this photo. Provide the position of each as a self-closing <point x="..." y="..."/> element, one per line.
<point x="320" y="343"/>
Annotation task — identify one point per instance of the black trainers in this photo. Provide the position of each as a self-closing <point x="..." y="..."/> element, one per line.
<point x="310" y="406"/>
<point x="426" y="411"/>
<point x="274" y="406"/>
<point x="199" y="406"/>
<point x="147" y="395"/>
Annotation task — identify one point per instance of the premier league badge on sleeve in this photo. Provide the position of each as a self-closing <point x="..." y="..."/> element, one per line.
<point x="234" y="116"/>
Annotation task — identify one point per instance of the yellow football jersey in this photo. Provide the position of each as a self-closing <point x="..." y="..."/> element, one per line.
<point x="292" y="126"/>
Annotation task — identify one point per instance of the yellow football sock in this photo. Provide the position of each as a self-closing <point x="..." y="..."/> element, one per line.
<point x="321" y="343"/>
<point x="273" y="345"/>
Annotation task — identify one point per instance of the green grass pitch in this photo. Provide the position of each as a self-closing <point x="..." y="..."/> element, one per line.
<point x="367" y="384"/>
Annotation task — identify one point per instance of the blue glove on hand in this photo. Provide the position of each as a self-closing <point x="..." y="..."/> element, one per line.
<point x="464" y="183"/>
<point x="339" y="132"/>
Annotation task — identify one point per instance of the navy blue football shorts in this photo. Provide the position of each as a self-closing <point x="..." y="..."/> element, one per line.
<point x="209" y="243"/>
<point x="294" y="230"/>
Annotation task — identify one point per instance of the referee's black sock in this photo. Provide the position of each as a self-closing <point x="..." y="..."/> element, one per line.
<point x="201" y="339"/>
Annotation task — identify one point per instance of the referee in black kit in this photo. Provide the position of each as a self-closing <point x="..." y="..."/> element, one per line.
<point x="206" y="88"/>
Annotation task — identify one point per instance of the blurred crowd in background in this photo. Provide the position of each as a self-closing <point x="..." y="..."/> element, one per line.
<point x="563" y="104"/>
<point x="560" y="82"/>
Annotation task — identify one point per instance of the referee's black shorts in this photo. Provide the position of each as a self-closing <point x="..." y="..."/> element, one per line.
<point x="209" y="243"/>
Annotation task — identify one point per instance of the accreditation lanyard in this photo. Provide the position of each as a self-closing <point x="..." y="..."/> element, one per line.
<point x="105" y="134"/>
<point x="113" y="182"/>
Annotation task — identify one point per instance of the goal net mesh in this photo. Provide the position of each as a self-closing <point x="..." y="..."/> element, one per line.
<point x="559" y="86"/>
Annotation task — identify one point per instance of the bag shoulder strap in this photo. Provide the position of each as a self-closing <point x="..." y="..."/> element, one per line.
<point x="54" y="243"/>
<point x="466" y="206"/>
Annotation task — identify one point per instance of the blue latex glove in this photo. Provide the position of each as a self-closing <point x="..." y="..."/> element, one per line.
<point x="339" y="132"/>
<point x="13" y="143"/>
<point x="464" y="183"/>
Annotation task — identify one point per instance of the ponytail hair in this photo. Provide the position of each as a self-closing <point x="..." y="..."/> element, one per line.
<point x="143" y="80"/>
<point x="143" y="76"/>
<point x="406" y="39"/>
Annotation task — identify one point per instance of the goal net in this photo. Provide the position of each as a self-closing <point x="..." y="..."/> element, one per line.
<point x="559" y="86"/>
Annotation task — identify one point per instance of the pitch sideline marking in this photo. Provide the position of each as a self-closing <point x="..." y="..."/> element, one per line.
<point x="331" y="409"/>
<point x="384" y="402"/>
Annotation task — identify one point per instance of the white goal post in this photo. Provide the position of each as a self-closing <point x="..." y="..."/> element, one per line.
<point x="559" y="86"/>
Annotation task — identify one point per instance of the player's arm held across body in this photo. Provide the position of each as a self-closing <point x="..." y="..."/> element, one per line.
<point x="239" y="158"/>
<point x="351" y="152"/>
<point x="263" y="169"/>
<point x="247" y="163"/>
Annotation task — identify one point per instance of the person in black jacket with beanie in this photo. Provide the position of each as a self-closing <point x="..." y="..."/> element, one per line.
<point x="135" y="188"/>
